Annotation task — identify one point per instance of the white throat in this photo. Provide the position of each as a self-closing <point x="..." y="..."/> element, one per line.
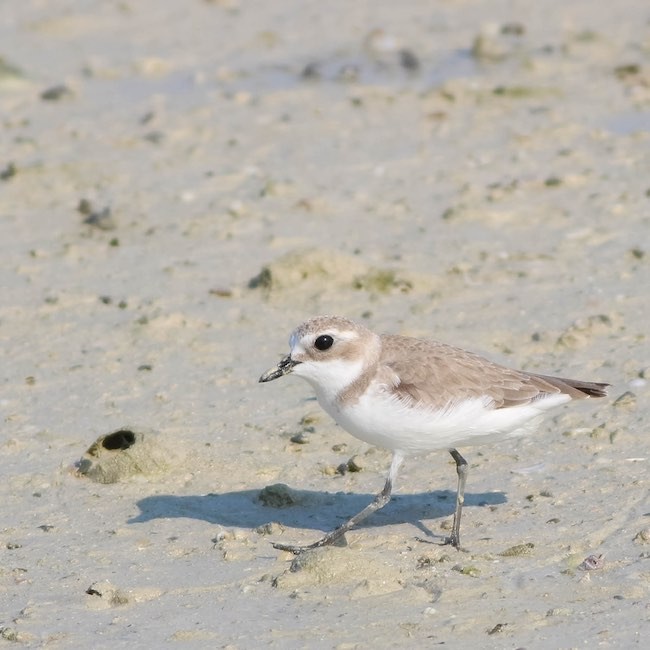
<point x="330" y="378"/>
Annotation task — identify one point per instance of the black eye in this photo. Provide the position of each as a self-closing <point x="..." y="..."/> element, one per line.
<point x="324" y="342"/>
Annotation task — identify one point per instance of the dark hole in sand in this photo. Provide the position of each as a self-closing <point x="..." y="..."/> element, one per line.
<point x="122" y="439"/>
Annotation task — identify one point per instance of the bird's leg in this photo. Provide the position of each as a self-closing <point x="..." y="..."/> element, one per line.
<point x="377" y="503"/>
<point x="461" y="470"/>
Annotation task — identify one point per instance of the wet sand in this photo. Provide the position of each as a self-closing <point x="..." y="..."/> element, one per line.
<point x="181" y="183"/>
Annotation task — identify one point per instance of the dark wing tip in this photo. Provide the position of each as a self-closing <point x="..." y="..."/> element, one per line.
<point x="576" y="387"/>
<point x="592" y="388"/>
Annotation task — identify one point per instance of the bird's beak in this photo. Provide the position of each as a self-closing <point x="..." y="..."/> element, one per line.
<point x="283" y="368"/>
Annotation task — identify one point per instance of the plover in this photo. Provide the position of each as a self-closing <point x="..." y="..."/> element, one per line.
<point x="414" y="396"/>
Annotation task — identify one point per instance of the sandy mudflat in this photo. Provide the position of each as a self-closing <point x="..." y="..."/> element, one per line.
<point x="476" y="172"/>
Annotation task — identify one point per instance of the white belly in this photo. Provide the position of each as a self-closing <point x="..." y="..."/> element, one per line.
<point x="384" y="421"/>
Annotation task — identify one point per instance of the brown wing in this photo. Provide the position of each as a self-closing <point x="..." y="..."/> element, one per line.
<point x="435" y="374"/>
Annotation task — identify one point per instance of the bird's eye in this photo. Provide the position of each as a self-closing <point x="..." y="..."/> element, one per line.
<point x="324" y="342"/>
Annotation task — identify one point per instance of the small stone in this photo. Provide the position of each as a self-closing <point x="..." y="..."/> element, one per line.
<point x="311" y="71"/>
<point x="279" y="495"/>
<point x="354" y="465"/>
<point x="559" y="611"/>
<point x="499" y="627"/>
<point x="488" y="47"/>
<point x="469" y="570"/>
<point x="101" y="219"/>
<point x="270" y="528"/>
<point x="55" y="93"/>
<point x="424" y="562"/>
<point x="8" y="634"/>
<point x="518" y="550"/>
<point x="109" y="595"/>
<point x="513" y="29"/>
<point x="627" y="70"/>
<point x="8" y="172"/>
<point x="592" y="563"/>
<point x="408" y="60"/>
<point x="309" y="420"/>
<point x="643" y="536"/>
<point x="221" y="293"/>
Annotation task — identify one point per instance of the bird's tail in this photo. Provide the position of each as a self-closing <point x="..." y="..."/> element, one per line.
<point x="577" y="388"/>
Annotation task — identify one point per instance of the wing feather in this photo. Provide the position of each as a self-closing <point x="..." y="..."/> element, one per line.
<point x="435" y="374"/>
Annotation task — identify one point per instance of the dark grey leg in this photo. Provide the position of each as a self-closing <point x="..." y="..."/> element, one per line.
<point x="461" y="470"/>
<point x="377" y="503"/>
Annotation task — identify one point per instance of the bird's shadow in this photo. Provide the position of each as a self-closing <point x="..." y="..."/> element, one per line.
<point x="313" y="509"/>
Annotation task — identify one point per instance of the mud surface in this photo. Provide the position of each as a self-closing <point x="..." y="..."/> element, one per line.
<point x="183" y="182"/>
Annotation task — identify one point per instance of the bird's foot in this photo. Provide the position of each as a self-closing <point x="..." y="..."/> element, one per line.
<point x="329" y="540"/>
<point x="452" y="540"/>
